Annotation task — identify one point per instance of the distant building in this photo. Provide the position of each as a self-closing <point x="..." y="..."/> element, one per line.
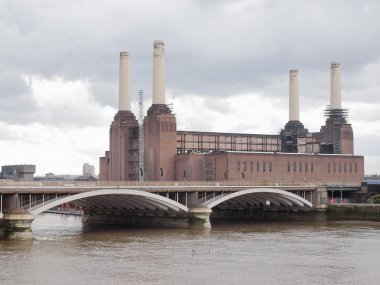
<point x="88" y="169"/>
<point x="23" y="172"/>
<point x="50" y="175"/>
<point x="86" y="178"/>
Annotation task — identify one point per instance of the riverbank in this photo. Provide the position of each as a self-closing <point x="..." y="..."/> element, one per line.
<point x="355" y="212"/>
<point x="344" y="212"/>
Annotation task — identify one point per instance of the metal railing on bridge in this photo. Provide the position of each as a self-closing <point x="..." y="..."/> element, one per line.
<point x="5" y="184"/>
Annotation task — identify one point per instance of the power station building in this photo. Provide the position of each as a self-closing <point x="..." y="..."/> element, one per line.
<point x="295" y="154"/>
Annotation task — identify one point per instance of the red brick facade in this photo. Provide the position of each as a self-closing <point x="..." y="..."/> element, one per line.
<point x="165" y="159"/>
<point x="262" y="167"/>
<point x="170" y="156"/>
<point x="120" y="162"/>
<point x="160" y="146"/>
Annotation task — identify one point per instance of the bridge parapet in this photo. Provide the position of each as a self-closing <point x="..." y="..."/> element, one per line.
<point x="142" y="184"/>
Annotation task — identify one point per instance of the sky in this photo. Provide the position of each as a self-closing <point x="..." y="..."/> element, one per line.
<point x="227" y="70"/>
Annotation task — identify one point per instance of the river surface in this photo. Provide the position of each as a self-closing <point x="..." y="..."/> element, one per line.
<point x="63" y="252"/>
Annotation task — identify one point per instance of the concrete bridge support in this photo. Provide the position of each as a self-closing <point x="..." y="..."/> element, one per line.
<point x="16" y="226"/>
<point x="321" y="199"/>
<point x="200" y="216"/>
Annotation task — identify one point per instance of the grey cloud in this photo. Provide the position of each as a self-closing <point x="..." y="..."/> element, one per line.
<point x="106" y="92"/>
<point x="368" y="145"/>
<point x="12" y="84"/>
<point x="17" y="104"/>
<point x="215" y="48"/>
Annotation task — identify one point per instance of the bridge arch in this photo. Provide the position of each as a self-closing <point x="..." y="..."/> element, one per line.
<point x="260" y="196"/>
<point x="120" y="198"/>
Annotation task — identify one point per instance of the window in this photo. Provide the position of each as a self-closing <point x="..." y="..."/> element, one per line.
<point x="356" y="168"/>
<point x="311" y="167"/>
<point x="184" y="173"/>
<point x="350" y="167"/>
<point x="244" y="166"/>
<point x="300" y="164"/>
<point x="270" y="166"/>
<point x="258" y="166"/>
<point x="288" y="166"/>
<point x="294" y="167"/>
<point x="305" y="167"/>
<point x="340" y="167"/>
<point x="263" y="165"/>
<point x="345" y="167"/>
<point x="238" y="166"/>
<point x="251" y="166"/>
<point x="334" y="167"/>
<point x="328" y="168"/>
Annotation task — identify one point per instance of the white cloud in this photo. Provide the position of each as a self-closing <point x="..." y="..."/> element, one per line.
<point x="227" y="68"/>
<point x="62" y="102"/>
<point x="60" y="151"/>
<point x="69" y="128"/>
<point x="250" y="113"/>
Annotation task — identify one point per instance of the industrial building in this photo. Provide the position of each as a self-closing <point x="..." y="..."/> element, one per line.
<point x="163" y="153"/>
<point x="19" y="172"/>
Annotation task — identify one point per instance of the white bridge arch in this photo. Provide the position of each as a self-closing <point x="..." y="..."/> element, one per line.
<point x="260" y="196"/>
<point x="119" y="198"/>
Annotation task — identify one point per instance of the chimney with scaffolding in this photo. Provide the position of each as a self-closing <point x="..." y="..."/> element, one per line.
<point x="336" y="134"/>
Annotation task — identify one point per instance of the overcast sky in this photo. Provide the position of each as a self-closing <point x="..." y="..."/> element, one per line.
<point x="227" y="70"/>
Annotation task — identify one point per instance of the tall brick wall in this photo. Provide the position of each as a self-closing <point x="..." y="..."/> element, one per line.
<point x="160" y="145"/>
<point x="119" y="164"/>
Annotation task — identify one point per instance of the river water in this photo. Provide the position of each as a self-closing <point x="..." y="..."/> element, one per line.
<point x="63" y="252"/>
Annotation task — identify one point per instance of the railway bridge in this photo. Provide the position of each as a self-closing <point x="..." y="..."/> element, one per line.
<point x="149" y="203"/>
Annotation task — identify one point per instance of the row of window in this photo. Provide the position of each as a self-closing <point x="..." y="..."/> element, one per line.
<point x="306" y="167"/>
<point x="300" y="167"/>
<point x="332" y="167"/>
<point x="243" y="166"/>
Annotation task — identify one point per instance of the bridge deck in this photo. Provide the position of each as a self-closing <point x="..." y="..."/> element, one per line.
<point x="155" y="187"/>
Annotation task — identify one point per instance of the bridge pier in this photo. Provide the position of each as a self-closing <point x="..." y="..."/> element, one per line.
<point x="320" y="203"/>
<point x="16" y="226"/>
<point x="200" y="216"/>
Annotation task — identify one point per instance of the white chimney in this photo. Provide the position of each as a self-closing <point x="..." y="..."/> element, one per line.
<point x="124" y="83"/>
<point x="293" y="96"/>
<point x="158" y="73"/>
<point x="335" y="89"/>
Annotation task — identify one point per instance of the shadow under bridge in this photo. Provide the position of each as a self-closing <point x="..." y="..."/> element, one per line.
<point x="258" y="198"/>
<point x="118" y="200"/>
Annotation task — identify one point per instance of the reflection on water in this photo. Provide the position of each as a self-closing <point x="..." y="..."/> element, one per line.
<point x="261" y="253"/>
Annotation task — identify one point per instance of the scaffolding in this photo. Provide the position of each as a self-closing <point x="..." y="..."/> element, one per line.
<point x="203" y="142"/>
<point x="335" y="119"/>
<point x="141" y="134"/>
<point x="290" y="134"/>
